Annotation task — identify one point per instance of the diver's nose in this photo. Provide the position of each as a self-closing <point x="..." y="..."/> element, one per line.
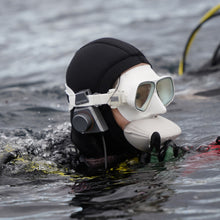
<point x="156" y="107"/>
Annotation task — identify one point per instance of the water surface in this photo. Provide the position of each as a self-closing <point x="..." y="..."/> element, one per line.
<point x="38" y="40"/>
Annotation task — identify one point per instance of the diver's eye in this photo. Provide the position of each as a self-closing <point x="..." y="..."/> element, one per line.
<point x="138" y="96"/>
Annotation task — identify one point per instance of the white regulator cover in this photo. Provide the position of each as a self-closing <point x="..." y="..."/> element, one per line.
<point x="138" y="133"/>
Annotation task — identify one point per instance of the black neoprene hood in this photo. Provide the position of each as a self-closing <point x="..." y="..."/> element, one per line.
<point x="97" y="66"/>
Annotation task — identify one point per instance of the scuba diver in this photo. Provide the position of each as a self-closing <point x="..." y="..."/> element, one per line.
<point x="115" y="102"/>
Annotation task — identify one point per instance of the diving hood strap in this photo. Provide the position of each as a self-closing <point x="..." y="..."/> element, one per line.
<point x="84" y="98"/>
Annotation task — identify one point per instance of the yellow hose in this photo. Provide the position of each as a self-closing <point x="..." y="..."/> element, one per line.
<point x="202" y="20"/>
<point x="210" y="13"/>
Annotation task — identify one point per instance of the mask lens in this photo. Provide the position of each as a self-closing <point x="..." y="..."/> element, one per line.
<point x="165" y="90"/>
<point x="143" y="95"/>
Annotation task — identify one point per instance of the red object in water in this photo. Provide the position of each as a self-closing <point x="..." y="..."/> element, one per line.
<point x="207" y="154"/>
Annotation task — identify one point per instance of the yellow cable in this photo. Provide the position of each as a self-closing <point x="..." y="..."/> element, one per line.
<point x="180" y="70"/>
<point x="188" y="46"/>
<point x="210" y="13"/>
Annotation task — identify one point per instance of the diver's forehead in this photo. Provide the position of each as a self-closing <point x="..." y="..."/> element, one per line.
<point x="140" y="74"/>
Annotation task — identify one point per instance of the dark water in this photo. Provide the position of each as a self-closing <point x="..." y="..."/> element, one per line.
<point x="38" y="40"/>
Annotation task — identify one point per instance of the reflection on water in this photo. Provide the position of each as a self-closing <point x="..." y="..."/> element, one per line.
<point x="124" y="195"/>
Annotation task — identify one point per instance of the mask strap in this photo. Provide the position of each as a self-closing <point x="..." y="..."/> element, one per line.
<point x="113" y="98"/>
